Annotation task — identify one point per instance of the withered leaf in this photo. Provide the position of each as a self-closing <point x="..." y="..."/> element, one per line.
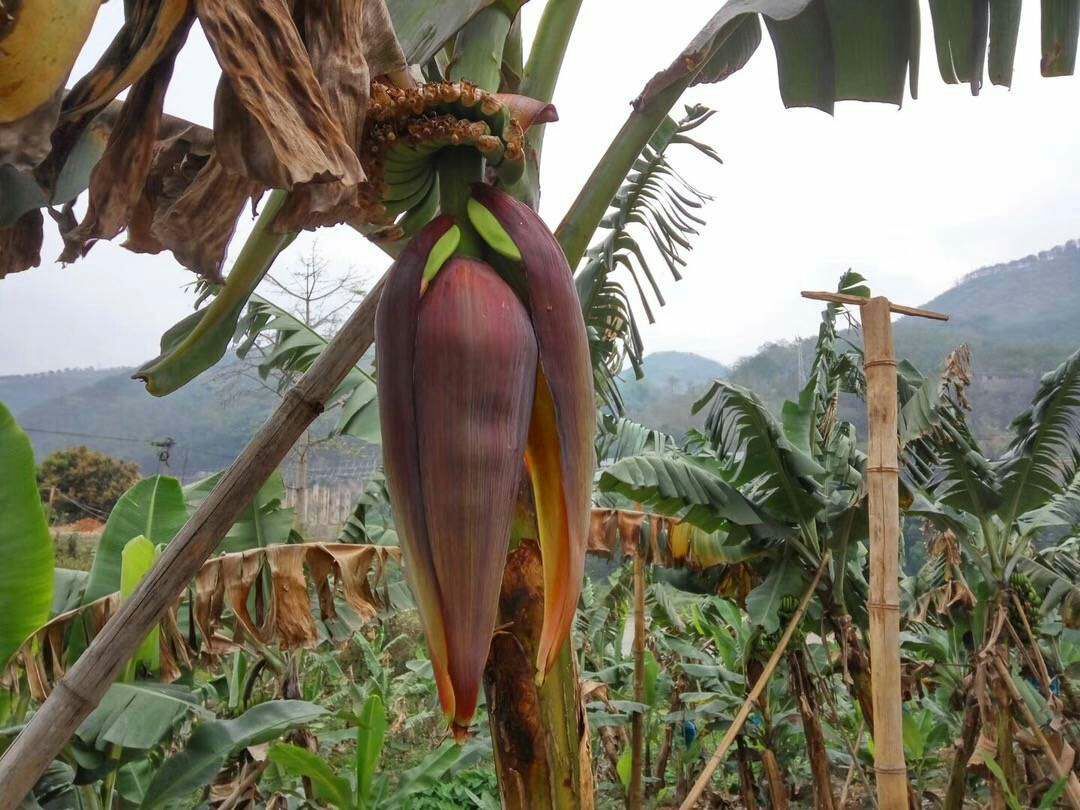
<point x="381" y="47"/>
<point x="273" y="123"/>
<point x="20" y="244"/>
<point x="349" y="43"/>
<point x="150" y="28"/>
<point x="333" y="32"/>
<point x="289" y="619"/>
<point x="224" y="584"/>
<point x="43" y="654"/>
<point x="179" y="155"/>
<point x="197" y="227"/>
<point x="118" y="179"/>
<point x="229" y="581"/>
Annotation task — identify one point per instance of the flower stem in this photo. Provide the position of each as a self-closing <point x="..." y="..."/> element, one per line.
<point x="459" y="167"/>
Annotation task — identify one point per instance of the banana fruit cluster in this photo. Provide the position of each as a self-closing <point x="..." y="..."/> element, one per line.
<point x="407" y="127"/>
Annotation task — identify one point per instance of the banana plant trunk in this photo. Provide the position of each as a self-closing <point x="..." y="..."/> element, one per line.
<point x="746" y="775"/>
<point x="855" y="659"/>
<point x="816" y="752"/>
<point x="954" y="793"/>
<point x="540" y="735"/>
<point x="1004" y="755"/>
<point x="774" y="780"/>
<point x="636" y="793"/>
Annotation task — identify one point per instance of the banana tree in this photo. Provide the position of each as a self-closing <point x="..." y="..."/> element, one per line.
<point x="991" y="514"/>
<point x="781" y="491"/>
<point x="323" y="103"/>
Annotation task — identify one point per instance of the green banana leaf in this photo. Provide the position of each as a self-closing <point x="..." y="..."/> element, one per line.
<point x="138" y="715"/>
<point x="751" y="445"/>
<point x="265" y="522"/>
<point x="200" y="340"/>
<point x="675" y="484"/>
<point x="26" y="576"/>
<point x="153" y="508"/>
<point x="370" y="736"/>
<point x="296" y="346"/>
<point x="1044" y="456"/>
<point x="786" y="578"/>
<point x="136" y="560"/>
<point x="422" y="27"/>
<point x="212" y="742"/>
<point x="328" y="786"/>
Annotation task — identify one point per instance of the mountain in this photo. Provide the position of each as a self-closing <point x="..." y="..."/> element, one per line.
<point x="210" y="420"/>
<point x="22" y="391"/>
<point x="670" y="383"/>
<point x="1021" y="319"/>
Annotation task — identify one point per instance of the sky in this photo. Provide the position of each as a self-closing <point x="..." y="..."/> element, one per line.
<point x="913" y="198"/>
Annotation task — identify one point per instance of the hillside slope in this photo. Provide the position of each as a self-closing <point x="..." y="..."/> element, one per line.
<point x="21" y="391"/>
<point x="671" y="383"/>
<point x="210" y="420"/>
<point x="1021" y="319"/>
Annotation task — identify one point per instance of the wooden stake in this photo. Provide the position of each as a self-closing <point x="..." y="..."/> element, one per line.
<point x="883" y="604"/>
<point x="78" y="692"/>
<point x="759" y="687"/>
<point x="636" y="794"/>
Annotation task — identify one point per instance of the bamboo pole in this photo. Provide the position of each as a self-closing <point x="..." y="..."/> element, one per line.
<point x="883" y="475"/>
<point x="884" y="602"/>
<point x="636" y="794"/>
<point x="78" y="692"/>
<point x="744" y="711"/>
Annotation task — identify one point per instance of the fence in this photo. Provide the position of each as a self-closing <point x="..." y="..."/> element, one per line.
<point x="328" y="507"/>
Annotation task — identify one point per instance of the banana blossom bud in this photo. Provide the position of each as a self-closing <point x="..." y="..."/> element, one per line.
<point x="475" y="379"/>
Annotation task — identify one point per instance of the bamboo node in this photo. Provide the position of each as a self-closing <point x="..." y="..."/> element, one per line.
<point x="313" y="405"/>
<point x="881" y="362"/>
<point x="884" y="468"/>
<point x="884" y="605"/>
<point x="75" y="693"/>
<point x="890" y="769"/>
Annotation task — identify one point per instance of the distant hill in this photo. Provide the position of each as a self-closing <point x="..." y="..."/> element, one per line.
<point x="210" y="420"/>
<point x="21" y="391"/>
<point x="671" y="383"/>
<point x="1021" y="319"/>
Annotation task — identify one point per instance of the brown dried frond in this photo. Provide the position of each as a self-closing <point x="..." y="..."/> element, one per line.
<point x="956" y="376"/>
<point x="222" y="588"/>
<point x="944" y="545"/>
<point x="20" y="244"/>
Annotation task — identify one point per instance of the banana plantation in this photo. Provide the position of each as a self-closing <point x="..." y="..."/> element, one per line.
<point x="846" y="601"/>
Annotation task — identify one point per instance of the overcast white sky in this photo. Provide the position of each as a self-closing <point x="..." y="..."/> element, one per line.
<point x="913" y="199"/>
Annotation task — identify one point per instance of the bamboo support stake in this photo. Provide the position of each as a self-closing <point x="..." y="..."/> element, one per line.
<point x="78" y="692"/>
<point x="883" y="604"/>
<point x="759" y="686"/>
<point x="636" y="794"/>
